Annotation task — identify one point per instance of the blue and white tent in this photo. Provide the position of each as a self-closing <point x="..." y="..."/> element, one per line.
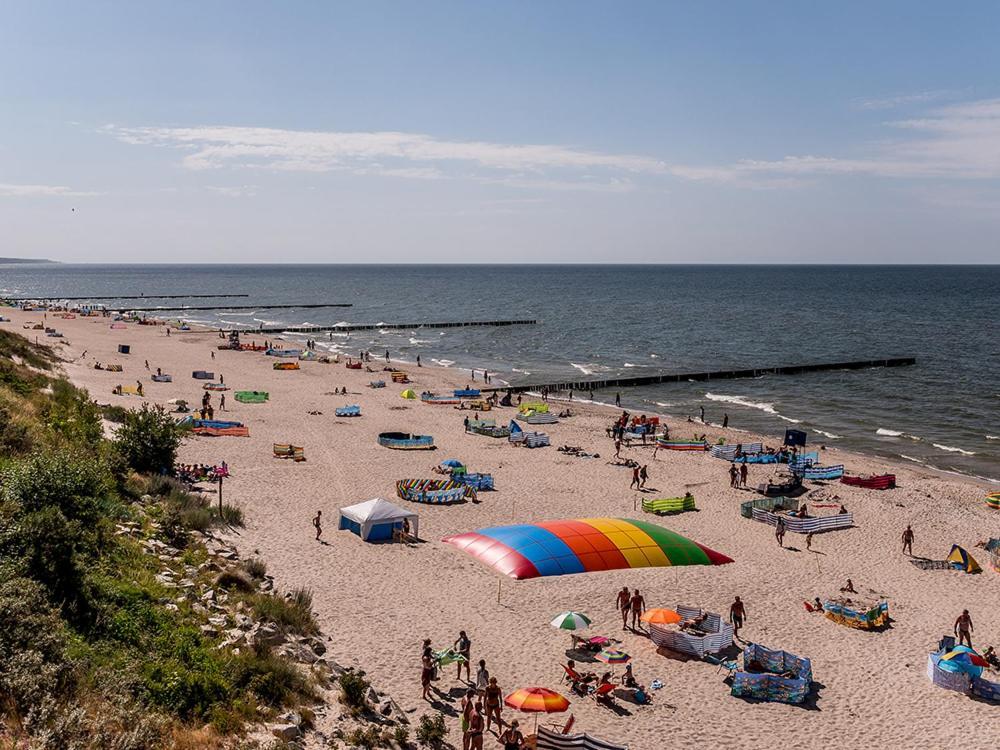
<point x="375" y="520"/>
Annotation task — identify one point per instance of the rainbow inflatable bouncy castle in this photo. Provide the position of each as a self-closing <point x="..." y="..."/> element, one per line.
<point x="584" y="545"/>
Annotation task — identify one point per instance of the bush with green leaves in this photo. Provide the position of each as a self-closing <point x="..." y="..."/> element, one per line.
<point x="432" y="732"/>
<point x="292" y="614"/>
<point x="148" y="440"/>
<point x="354" y="690"/>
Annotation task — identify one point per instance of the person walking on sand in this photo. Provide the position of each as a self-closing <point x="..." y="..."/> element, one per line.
<point x="618" y="399"/>
<point x="725" y="421"/>
<point x="464" y="647"/>
<point x="623" y="603"/>
<point x="635" y="478"/>
<point x="733" y="475"/>
<point x="779" y="532"/>
<point x="702" y="414"/>
<point x="643" y="476"/>
<point x="744" y="473"/>
<point x="737" y="616"/>
<point x="908" y="541"/>
<point x="637" y="606"/>
<point x="964" y="629"/>
<point x="213" y="355"/>
<point x="809" y="541"/>
<point x="222" y="402"/>
<point x="318" y="523"/>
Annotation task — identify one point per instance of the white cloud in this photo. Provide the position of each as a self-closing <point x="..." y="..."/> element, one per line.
<point x="233" y="191"/>
<point x="960" y="141"/>
<point x="901" y="100"/>
<point x="10" y="190"/>
<point x="381" y="152"/>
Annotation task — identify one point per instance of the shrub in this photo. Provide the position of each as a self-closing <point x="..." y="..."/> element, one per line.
<point x="255" y="567"/>
<point x="234" y="579"/>
<point x="71" y="414"/>
<point x="114" y="413"/>
<point x="232" y="515"/>
<point x="354" y="691"/>
<point x="148" y="439"/>
<point x="368" y="737"/>
<point x="432" y="731"/>
<point x="292" y="614"/>
<point x="15" y="437"/>
<point x="401" y="735"/>
<point x="269" y="678"/>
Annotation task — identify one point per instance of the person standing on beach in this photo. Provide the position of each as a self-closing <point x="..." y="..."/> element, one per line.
<point x="222" y="402"/>
<point x="426" y="671"/>
<point x="737" y="616"/>
<point x="964" y="629"/>
<point x="318" y="523"/>
<point x="418" y="361"/>
<point x="779" y="532"/>
<point x="464" y="647"/>
<point x="908" y="541"/>
<point x="482" y="678"/>
<point x="618" y="399"/>
<point x="476" y="727"/>
<point x="623" y="604"/>
<point x="643" y="476"/>
<point x="387" y="356"/>
<point x="809" y="540"/>
<point x="635" y="478"/>
<point x="468" y="706"/>
<point x="725" y="421"/>
<point x="733" y="475"/>
<point x="494" y="704"/>
<point x="636" y="606"/>
<point x="702" y="413"/>
<point x="744" y="471"/>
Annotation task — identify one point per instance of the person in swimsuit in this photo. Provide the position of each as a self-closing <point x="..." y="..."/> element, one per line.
<point x="908" y="540"/>
<point x="637" y="606"/>
<point x="476" y="727"/>
<point x="512" y="739"/>
<point x="464" y="646"/>
<point x="624" y="597"/>
<point x="964" y="629"/>
<point x="318" y="523"/>
<point x="426" y="671"/>
<point x="468" y="708"/>
<point x="494" y="704"/>
<point x="737" y="615"/>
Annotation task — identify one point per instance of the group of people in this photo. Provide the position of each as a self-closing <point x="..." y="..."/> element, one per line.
<point x="738" y="476"/>
<point x="201" y="472"/>
<point x="482" y="704"/>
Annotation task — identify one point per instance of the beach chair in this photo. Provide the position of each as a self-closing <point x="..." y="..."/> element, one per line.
<point x="809" y="607"/>
<point x="604" y="693"/>
<point x="730" y="665"/>
<point x="565" y="728"/>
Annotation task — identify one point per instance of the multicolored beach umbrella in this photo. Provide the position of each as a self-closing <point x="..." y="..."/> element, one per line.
<point x="613" y="656"/>
<point x="571" y="621"/>
<point x="963" y="659"/>
<point x="584" y="545"/>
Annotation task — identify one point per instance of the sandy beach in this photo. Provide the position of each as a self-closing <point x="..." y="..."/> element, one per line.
<point x="379" y="601"/>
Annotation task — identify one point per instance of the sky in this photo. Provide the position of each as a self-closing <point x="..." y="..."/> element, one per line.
<point x="446" y="132"/>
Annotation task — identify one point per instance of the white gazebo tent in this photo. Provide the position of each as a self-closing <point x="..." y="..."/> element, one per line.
<point x="375" y="520"/>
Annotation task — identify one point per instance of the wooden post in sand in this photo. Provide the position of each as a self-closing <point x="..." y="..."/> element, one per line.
<point x="220" y="498"/>
<point x="499" y="584"/>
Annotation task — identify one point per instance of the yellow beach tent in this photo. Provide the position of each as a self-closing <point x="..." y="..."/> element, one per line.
<point x="963" y="560"/>
<point x="408" y="393"/>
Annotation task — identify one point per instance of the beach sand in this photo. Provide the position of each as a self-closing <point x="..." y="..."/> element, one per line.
<point x="378" y="602"/>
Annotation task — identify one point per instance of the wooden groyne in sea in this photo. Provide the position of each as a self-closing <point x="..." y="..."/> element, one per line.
<point x="683" y="377"/>
<point x="351" y="328"/>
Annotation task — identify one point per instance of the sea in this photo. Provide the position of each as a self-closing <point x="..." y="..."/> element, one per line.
<point x="597" y="321"/>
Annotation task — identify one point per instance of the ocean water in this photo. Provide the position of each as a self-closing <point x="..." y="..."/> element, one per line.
<point x="609" y="320"/>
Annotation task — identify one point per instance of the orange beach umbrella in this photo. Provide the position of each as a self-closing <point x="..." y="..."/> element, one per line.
<point x="660" y="616"/>
<point x="537" y="700"/>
